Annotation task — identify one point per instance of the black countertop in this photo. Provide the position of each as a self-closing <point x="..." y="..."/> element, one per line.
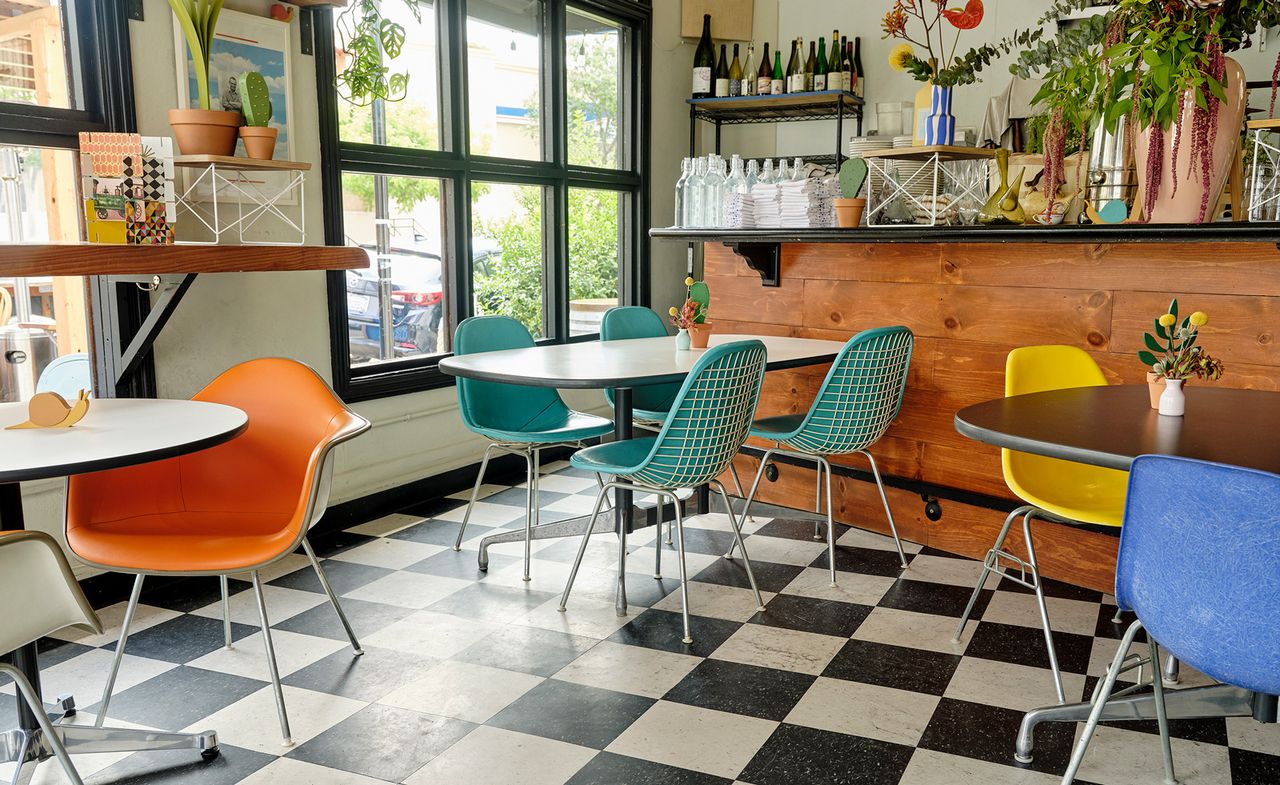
<point x="1242" y="232"/>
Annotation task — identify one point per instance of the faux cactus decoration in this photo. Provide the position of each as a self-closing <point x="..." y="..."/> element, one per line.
<point x="255" y="101"/>
<point x="700" y="294"/>
<point x="853" y="173"/>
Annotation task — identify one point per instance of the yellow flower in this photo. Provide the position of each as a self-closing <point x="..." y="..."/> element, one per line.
<point x="688" y="281"/>
<point x="1199" y="318"/>
<point x="673" y="311"/>
<point x="1168" y="320"/>
<point x="901" y="56"/>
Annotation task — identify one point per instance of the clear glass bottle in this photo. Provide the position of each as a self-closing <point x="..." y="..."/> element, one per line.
<point x="767" y="176"/>
<point x="713" y="187"/>
<point x="737" y="181"/>
<point x="784" y="174"/>
<point x="693" y="194"/>
<point x="686" y="170"/>
<point x="753" y="173"/>
<point x="797" y="169"/>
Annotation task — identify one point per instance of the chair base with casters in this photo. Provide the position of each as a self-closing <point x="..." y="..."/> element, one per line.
<point x="824" y="465"/>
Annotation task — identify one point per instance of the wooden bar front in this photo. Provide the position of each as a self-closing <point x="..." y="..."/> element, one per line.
<point x="968" y="304"/>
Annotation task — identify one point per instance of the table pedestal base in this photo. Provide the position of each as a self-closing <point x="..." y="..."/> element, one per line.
<point x="29" y="748"/>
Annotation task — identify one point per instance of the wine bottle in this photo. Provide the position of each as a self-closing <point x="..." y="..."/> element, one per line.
<point x="795" y="71"/>
<point x="820" y="67"/>
<point x="778" y="82"/>
<point x="859" y="76"/>
<point x="833" y="62"/>
<point x="846" y="67"/>
<point x="735" y="74"/>
<point x="749" y="71"/>
<point x="704" y="61"/>
<point x="810" y="66"/>
<point x="764" y="79"/>
<point x="722" y="75"/>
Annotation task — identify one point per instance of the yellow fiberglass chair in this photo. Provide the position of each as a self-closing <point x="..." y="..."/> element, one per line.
<point x="1053" y="489"/>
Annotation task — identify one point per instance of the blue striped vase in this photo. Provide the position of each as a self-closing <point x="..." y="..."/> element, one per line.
<point x="940" y="125"/>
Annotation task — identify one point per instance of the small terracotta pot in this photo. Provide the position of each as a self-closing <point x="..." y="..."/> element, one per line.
<point x="1155" y="386"/>
<point x="699" y="334"/>
<point x="204" y="131"/>
<point x="849" y="212"/>
<point x="259" y="142"/>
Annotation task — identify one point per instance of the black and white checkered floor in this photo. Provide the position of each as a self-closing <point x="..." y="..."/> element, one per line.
<point x="477" y="679"/>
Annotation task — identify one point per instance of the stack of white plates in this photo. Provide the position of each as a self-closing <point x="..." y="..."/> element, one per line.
<point x="861" y="144"/>
<point x="902" y="141"/>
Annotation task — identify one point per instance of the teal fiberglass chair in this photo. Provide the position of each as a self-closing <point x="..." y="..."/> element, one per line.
<point x="516" y="419"/>
<point x="857" y="402"/>
<point x="707" y="425"/>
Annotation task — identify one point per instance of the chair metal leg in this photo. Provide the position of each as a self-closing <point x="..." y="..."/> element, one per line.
<point x="817" y="500"/>
<point x="33" y="700"/>
<point x="831" y="523"/>
<point x="1100" y="697"/>
<point x="657" y="542"/>
<point x="989" y="565"/>
<point x="226" y="610"/>
<point x="120" y="644"/>
<point x="755" y="485"/>
<point x="582" y="549"/>
<point x="1044" y="607"/>
<point x="737" y="538"/>
<point x="608" y="505"/>
<point x="475" y="492"/>
<point x="333" y="598"/>
<point x="18" y="743"/>
<point x="271" y="662"/>
<point x="530" y="507"/>
<point x="1162" y="713"/>
<point x="1172" y="670"/>
<point x="620" y="593"/>
<point x="884" y="499"/>
<point x="684" y="576"/>
<point x="1119" y="617"/>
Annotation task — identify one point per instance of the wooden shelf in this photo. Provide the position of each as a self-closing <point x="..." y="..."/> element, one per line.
<point x="772" y="108"/>
<point x="239" y="163"/>
<point x="925" y="153"/>
<point x="88" y="259"/>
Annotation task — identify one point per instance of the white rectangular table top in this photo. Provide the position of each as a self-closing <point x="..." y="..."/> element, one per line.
<point x="629" y="363"/>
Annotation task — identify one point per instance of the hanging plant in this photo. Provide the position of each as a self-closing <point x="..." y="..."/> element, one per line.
<point x="370" y="40"/>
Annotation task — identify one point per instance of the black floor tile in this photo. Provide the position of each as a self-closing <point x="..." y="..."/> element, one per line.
<point x="770" y="577"/>
<point x="941" y="599"/>
<point x="796" y="529"/>
<point x="1054" y="588"/>
<point x="181" y="639"/>
<point x="608" y="768"/>
<point x="178" y="697"/>
<point x="867" y="561"/>
<point x="437" y="532"/>
<point x="369" y="677"/>
<point x="742" y="689"/>
<point x="1025" y="646"/>
<point x="366" y="618"/>
<point x="819" y="757"/>
<point x="491" y="601"/>
<point x="527" y="649"/>
<point x="331" y="543"/>
<point x="459" y="564"/>
<point x="182" y="767"/>
<point x="1251" y="768"/>
<point x="343" y="576"/>
<point x="383" y="742"/>
<point x="810" y="614"/>
<point x="517" y="497"/>
<point x="1108" y="628"/>
<point x="587" y="716"/>
<point x="915" y="670"/>
<point x="712" y="542"/>
<point x="973" y="730"/>
<point x="664" y="630"/>
<point x="187" y="594"/>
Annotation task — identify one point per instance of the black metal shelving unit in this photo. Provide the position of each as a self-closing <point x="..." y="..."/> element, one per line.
<point x="753" y="109"/>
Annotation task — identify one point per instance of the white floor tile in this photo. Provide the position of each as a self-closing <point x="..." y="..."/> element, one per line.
<point x="112" y="617"/>
<point x="713" y="742"/>
<point x="388" y="524"/>
<point x="252" y="723"/>
<point x="462" y="690"/>
<point x="248" y="658"/>
<point x="408" y="589"/>
<point x="585" y="617"/>
<point x="287" y="771"/>
<point x="716" y="601"/>
<point x="938" y="768"/>
<point x="1125" y="757"/>
<point x="1023" y="610"/>
<point x="850" y="587"/>
<point x="282" y="603"/>
<point x="954" y="572"/>
<point x="866" y="710"/>
<point x="634" y="669"/>
<point x="484" y="514"/>
<point x="493" y="756"/>
<point x="914" y="630"/>
<point x="390" y="553"/>
<point x="1016" y="687"/>
<point x="431" y="634"/>
<point x="779" y="648"/>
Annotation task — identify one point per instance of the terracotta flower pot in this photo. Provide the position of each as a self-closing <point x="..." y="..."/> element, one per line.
<point x="848" y="212"/>
<point x="1185" y="206"/>
<point x="1155" y="386"/>
<point x="259" y="142"/>
<point x="699" y="334"/>
<point x="204" y="131"/>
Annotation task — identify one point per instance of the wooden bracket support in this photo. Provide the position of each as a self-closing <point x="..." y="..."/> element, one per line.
<point x="764" y="258"/>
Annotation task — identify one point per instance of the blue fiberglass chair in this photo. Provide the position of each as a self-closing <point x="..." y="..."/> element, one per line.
<point x="857" y="402"/>
<point x="1197" y="566"/>
<point x="516" y="419"/>
<point x="708" y="424"/>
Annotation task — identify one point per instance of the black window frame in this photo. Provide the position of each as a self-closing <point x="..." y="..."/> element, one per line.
<point x="457" y="170"/>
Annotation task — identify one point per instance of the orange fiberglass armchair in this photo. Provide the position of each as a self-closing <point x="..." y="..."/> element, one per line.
<point x="233" y="508"/>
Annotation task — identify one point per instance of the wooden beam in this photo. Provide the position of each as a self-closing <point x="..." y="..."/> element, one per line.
<point x="88" y="259"/>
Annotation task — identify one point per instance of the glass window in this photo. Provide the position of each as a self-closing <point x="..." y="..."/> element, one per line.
<point x="35" y="61"/>
<point x="595" y="222"/>
<point x="413" y="121"/>
<point x="593" y="47"/>
<point x="396" y="308"/>
<point x="507" y="275"/>
<point x="504" y="75"/>
<point x="42" y="318"/>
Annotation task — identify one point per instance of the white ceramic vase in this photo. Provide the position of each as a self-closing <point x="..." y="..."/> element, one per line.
<point x="682" y="341"/>
<point x="1173" y="402"/>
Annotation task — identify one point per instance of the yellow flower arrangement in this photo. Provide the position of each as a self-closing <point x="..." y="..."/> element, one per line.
<point x="1199" y="319"/>
<point x="1168" y="320"/>
<point x="901" y="56"/>
<point x="688" y="281"/>
<point x="673" y="311"/>
<point x="1173" y="352"/>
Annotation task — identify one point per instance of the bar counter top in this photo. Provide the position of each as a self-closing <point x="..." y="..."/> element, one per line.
<point x="1242" y="232"/>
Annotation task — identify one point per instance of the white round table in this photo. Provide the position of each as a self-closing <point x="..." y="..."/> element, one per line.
<point x="114" y="433"/>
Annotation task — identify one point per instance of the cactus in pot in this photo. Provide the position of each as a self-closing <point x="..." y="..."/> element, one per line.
<point x="853" y="173"/>
<point x="257" y="134"/>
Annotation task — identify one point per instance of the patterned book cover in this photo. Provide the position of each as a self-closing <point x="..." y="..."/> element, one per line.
<point x="127" y="188"/>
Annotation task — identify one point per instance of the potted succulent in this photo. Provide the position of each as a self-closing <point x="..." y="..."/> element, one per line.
<point x="848" y="207"/>
<point x="1172" y="356"/>
<point x="201" y="130"/>
<point x="691" y="317"/>
<point x="257" y="134"/>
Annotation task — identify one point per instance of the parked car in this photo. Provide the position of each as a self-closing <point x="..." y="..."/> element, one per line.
<point x="417" y="305"/>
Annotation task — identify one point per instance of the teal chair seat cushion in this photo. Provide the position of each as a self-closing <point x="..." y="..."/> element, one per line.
<point x="648" y="415"/>
<point x="564" y="426"/>
<point x="621" y="458"/>
<point x="777" y="429"/>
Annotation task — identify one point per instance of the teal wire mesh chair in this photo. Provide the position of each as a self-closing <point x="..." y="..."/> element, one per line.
<point x="857" y="402"/>
<point x="516" y="419"/>
<point x="706" y="427"/>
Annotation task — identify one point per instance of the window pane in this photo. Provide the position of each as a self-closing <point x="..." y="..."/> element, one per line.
<point x="396" y="308"/>
<point x="506" y="253"/>
<point x="35" y="58"/>
<point x="593" y="48"/>
<point x="503" y="61"/>
<point x="594" y="255"/>
<point x="42" y="318"/>
<point x="415" y="120"/>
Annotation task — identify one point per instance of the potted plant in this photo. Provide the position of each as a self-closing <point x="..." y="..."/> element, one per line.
<point x="366" y="40"/>
<point x="257" y="134"/>
<point x="691" y="317"/>
<point x="201" y="130"/>
<point x="1172" y="356"/>
<point x="848" y="207"/>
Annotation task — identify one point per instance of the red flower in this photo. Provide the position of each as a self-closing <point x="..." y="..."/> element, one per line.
<point x="967" y="19"/>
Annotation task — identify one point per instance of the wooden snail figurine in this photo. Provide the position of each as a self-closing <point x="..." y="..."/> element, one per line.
<point x="50" y="410"/>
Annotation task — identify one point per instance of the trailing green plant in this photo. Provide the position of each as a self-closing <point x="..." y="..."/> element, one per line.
<point x="198" y="20"/>
<point x="255" y="100"/>
<point x="1172" y="353"/>
<point x="370" y="40"/>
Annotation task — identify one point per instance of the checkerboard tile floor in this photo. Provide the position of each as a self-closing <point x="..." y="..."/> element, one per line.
<point x="476" y="679"/>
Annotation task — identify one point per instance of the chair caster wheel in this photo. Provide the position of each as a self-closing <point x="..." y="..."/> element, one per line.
<point x="210" y="754"/>
<point x="1023" y="758"/>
